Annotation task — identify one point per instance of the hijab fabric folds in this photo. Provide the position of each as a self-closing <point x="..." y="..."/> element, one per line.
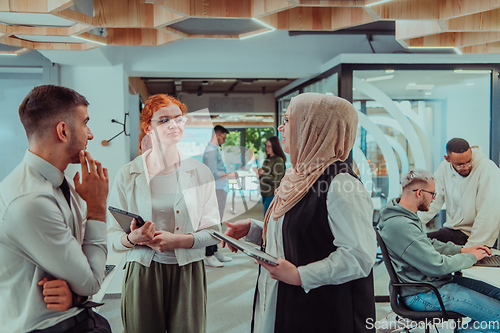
<point x="323" y="131"/>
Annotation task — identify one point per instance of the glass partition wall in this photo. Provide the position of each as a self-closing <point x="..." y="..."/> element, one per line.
<point x="407" y="113"/>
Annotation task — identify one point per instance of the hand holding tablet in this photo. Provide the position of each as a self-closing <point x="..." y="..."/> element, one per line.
<point x="124" y="218"/>
<point x="246" y="248"/>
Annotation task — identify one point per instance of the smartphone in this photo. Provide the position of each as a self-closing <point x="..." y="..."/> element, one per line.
<point x="124" y="218"/>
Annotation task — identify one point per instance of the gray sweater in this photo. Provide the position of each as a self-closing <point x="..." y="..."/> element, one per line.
<point x="414" y="256"/>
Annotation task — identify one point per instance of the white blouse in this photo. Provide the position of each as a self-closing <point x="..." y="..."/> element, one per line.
<point x="350" y="214"/>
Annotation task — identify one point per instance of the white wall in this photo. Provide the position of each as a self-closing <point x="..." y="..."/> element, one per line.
<point x="468" y="114"/>
<point x="13" y="88"/>
<point x="106" y="89"/>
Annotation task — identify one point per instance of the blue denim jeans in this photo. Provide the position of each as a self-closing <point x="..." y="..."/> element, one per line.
<point x="474" y="299"/>
<point x="266" y="201"/>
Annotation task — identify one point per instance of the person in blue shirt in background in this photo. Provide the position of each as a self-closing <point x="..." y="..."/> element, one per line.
<point x="213" y="159"/>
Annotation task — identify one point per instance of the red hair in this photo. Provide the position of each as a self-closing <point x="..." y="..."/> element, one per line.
<point x="153" y="104"/>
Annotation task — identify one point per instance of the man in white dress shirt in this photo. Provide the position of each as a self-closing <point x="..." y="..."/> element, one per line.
<point x="53" y="231"/>
<point x="469" y="183"/>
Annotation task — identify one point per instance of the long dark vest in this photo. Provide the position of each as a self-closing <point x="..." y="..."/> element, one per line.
<point x="307" y="238"/>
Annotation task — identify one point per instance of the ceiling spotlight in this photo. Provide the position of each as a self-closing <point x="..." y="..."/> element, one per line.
<point x="89" y="40"/>
<point x="419" y="86"/>
<point x="379" y="78"/>
<point x="263" y="24"/>
<point x="389" y="71"/>
<point x="376" y="3"/>
<point x="461" y="71"/>
<point x="428" y="93"/>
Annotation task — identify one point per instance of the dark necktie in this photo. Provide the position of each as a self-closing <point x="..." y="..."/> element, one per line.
<point x="65" y="190"/>
<point x="86" y="304"/>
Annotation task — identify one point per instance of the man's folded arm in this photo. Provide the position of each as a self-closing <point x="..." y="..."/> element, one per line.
<point x="36" y="226"/>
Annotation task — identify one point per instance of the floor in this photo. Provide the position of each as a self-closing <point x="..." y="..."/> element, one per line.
<point x="231" y="288"/>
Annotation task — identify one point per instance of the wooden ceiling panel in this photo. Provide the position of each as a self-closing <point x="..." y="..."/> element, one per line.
<point x="137" y="86"/>
<point x="337" y="3"/>
<point x="456" y="8"/>
<point x="131" y="14"/>
<point x="454" y="39"/>
<point x="486" y="21"/>
<point x="34" y="6"/>
<point x="181" y="7"/>
<point x="317" y="18"/>
<point x="162" y="17"/>
<point x="123" y="14"/>
<point x="484" y="48"/>
<point x="407" y="29"/>
<point x="48" y="46"/>
<point x="466" y="24"/>
<point x="45" y="31"/>
<point x="75" y="16"/>
<point x="24" y="6"/>
<point x="137" y="37"/>
<point x="58" y="5"/>
<point x="221" y="8"/>
<point x="65" y="46"/>
<point x="408" y="10"/>
<point x="266" y="7"/>
<point x="207" y="8"/>
<point x="12" y="41"/>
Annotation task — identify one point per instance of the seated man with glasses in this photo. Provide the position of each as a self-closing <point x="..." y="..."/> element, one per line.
<point x="469" y="183"/>
<point x="419" y="259"/>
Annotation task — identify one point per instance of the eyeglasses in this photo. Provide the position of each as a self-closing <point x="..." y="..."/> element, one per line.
<point x="284" y="119"/>
<point x="179" y="120"/>
<point x="431" y="193"/>
<point x="463" y="166"/>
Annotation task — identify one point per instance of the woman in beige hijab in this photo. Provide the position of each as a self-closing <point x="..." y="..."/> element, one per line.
<point x="319" y="226"/>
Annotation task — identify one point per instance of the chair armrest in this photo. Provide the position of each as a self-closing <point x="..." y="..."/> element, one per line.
<point x="428" y="286"/>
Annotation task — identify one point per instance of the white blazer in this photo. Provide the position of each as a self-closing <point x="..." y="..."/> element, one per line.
<point x="195" y="206"/>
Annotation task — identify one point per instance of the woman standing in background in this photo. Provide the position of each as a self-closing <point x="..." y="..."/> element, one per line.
<point x="272" y="171"/>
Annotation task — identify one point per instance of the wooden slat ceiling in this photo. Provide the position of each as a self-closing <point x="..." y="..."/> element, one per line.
<point x="466" y="26"/>
<point x="174" y="86"/>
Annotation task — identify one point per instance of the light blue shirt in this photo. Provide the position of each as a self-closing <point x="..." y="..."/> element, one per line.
<point x="41" y="236"/>
<point x="213" y="159"/>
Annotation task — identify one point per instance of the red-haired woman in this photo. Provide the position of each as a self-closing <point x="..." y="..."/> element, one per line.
<point x="164" y="287"/>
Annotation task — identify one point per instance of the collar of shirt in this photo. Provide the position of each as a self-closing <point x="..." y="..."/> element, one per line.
<point x="139" y="164"/>
<point x="47" y="170"/>
<point x="210" y="144"/>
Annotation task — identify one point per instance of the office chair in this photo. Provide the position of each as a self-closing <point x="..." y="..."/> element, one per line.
<point x="401" y="309"/>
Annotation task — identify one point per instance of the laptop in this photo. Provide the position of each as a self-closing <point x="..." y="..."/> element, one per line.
<point x="246" y="248"/>
<point x="491" y="261"/>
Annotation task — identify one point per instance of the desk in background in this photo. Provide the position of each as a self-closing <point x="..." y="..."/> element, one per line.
<point x="241" y="183"/>
<point x="113" y="259"/>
